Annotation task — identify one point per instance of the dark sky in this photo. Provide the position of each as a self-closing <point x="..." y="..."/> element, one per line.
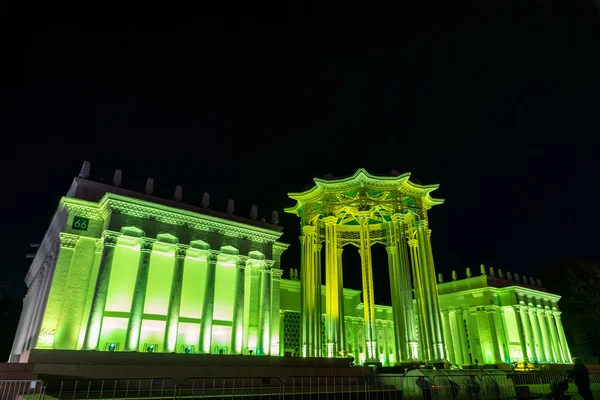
<point x="499" y="104"/>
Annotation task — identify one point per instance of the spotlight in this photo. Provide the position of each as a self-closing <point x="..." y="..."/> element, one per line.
<point x="112" y="347"/>
<point x="189" y="350"/>
<point x="150" y="348"/>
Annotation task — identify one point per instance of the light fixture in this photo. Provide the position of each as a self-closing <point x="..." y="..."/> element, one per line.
<point x="112" y="347"/>
<point x="189" y="350"/>
<point x="150" y="348"/>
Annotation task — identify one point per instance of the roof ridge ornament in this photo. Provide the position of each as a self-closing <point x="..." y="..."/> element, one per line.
<point x="178" y="196"/>
<point x="85" y="170"/>
<point x="253" y="212"/>
<point x="230" y="207"/>
<point x="205" y="200"/>
<point x="118" y="178"/>
<point x="149" y="189"/>
<point x="274" y="217"/>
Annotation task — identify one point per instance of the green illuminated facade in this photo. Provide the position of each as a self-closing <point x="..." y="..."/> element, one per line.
<point x="124" y="271"/>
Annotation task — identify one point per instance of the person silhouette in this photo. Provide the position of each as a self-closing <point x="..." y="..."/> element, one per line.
<point x="581" y="377"/>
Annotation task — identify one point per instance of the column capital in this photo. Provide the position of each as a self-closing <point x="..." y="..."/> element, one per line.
<point x="68" y="240"/>
<point x="391" y="249"/>
<point x="212" y="257"/>
<point x="302" y="239"/>
<point x="99" y="245"/>
<point x="146" y="245"/>
<point x="330" y="220"/>
<point x="398" y="217"/>
<point x="241" y="262"/>
<point x="309" y="229"/>
<point x="319" y="247"/>
<point x="276" y="273"/>
<point x="413" y="242"/>
<point x="491" y="308"/>
<point x="110" y="238"/>
<point x="180" y="251"/>
<point x="268" y="264"/>
<point x="421" y="224"/>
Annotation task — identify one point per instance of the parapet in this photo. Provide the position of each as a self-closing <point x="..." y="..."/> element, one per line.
<point x="493" y="277"/>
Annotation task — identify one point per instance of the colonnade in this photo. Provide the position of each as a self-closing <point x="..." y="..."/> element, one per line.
<point x="481" y="333"/>
<point x="408" y="244"/>
<point x="62" y="333"/>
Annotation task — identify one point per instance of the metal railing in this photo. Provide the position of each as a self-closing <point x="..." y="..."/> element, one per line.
<point x="21" y="389"/>
<point x="416" y="384"/>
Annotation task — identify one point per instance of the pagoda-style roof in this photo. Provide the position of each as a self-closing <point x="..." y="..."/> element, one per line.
<point x="395" y="191"/>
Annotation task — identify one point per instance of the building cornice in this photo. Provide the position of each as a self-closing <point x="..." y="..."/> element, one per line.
<point x="509" y="289"/>
<point x="144" y="209"/>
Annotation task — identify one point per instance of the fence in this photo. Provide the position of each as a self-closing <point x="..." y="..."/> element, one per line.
<point x="416" y="384"/>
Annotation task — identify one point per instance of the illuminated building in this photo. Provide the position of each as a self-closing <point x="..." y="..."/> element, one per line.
<point x="122" y="271"/>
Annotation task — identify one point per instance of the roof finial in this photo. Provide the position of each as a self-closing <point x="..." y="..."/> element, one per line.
<point x="538" y="283"/>
<point x="230" y="207"/>
<point x="440" y="278"/>
<point x="468" y="272"/>
<point x="524" y="280"/>
<point x="482" y="269"/>
<point x="492" y="273"/>
<point x="178" y="193"/>
<point x="274" y="217"/>
<point x="500" y="274"/>
<point x="205" y="200"/>
<point x="509" y="276"/>
<point x="454" y="275"/>
<point x="149" y="186"/>
<point x="517" y="278"/>
<point x="532" y="281"/>
<point x="85" y="170"/>
<point x="394" y="173"/>
<point x="118" y="177"/>
<point x="253" y="212"/>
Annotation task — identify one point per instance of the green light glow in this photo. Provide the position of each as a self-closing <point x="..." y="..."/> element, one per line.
<point x="159" y="284"/>
<point x="192" y="292"/>
<point x="122" y="278"/>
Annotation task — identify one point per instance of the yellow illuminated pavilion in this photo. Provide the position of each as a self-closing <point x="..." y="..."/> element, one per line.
<point x="362" y="210"/>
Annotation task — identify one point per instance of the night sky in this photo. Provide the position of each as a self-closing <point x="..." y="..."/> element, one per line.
<point x="499" y="104"/>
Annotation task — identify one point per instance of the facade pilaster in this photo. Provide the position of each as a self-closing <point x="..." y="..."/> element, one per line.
<point x="237" y="325"/>
<point x="439" y="350"/>
<point x="459" y="339"/>
<point x="521" y="331"/>
<point x="311" y="290"/>
<point x="264" y="324"/>
<point x="368" y="289"/>
<point x="533" y="356"/>
<point x="503" y="343"/>
<point x="276" y="332"/>
<point x="94" y="325"/>
<point x="448" y="336"/>
<point x="559" y="355"/>
<point x="26" y="318"/>
<point x="136" y="315"/>
<point x="172" y="326"/>
<point x="495" y="336"/>
<point x="562" y="337"/>
<point x="537" y="334"/>
<point x="205" y="341"/>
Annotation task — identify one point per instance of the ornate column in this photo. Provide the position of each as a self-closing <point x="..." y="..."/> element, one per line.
<point x="310" y="301"/>
<point x="94" y="325"/>
<point x="400" y="353"/>
<point x="175" y="300"/>
<point x="303" y="299"/>
<point x="368" y="289"/>
<point x="341" y="324"/>
<point x="562" y="337"/>
<point x="318" y="293"/>
<point x="423" y="343"/>
<point x="209" y="304"/>
<point x="559" y="355"/>
<point x="502" y="318"/>
<point x="461" y="349"/>
<point x="529" y="333"/>
<point x="134" y="327"/>
<point x="521" y="331"/>
<point x="264" y="325"/>
<point x="537" y="334"/>
<point x="332" y="287"/>
<point x="439" y="351"/>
